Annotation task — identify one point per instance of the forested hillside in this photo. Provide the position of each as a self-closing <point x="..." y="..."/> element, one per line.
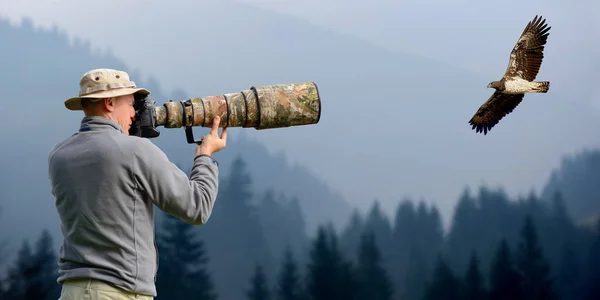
<point x="254" y="247"/>
<point x="577" y="178"/>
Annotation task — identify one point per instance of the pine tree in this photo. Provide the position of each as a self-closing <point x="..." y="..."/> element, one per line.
<point x="34" y="274"/>
<point x="474" y="286"/>
<point x="347" y="282"/>
<point x="464" y="234"/>
<point x="532" y="265"/>
<point x="350" y="236"/>
<point x="183" y="263"/>
<point x="569" y="281"/>
<point x="282" y="224"/>
<point x="591" y="288"/>
<point x="378" y="223"/>
<point x="415" y="280"/>
<point x="407" y="265"/>
<point x="372" y="277"/>
<point x="505" y="282"/>
<point x="258" y="285"/>
<point x="236" y="234"/>
<point x="44" y="285"/>
<point x="288" y="280"/>
<point x="19" y="275"/>
<point x="3" y="276"/>
<point x="327" y="270"/>
<point x="239" y="185"/>
<point x="444" y="284"/>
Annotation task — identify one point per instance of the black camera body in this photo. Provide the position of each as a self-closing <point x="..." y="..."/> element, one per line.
<point x="144" y="124"/>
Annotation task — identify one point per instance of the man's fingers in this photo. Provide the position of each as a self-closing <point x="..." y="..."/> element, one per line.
<point x="224" y="134"/>
<point x="215" y="127"/>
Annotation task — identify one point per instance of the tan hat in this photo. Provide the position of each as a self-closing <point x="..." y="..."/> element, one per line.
<point x="103" y="83"/>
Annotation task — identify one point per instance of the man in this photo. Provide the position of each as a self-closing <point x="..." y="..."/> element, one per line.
<point x="106" y="184"/>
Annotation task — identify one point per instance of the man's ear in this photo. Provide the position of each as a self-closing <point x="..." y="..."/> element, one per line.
<point x="110" y="103"/>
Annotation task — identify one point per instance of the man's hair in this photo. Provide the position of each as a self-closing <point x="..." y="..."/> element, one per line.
<point x="87" y="103"/>
<point x="91" y="106"/>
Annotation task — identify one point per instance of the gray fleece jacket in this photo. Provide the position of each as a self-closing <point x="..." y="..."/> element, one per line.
<point x="106" y="185"/>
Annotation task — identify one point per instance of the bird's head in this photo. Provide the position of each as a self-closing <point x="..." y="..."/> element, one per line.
<point x="498" y="85"/>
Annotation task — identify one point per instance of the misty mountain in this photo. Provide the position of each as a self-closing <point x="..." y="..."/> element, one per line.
<point x="40" y="69"/>
<point x="393" y="124"/>
<point x="577" y="180"/>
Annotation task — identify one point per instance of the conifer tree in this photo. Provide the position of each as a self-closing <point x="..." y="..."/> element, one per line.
<point x="44" y="285"/>
<point x="350" y="235"/>
<point x="532" y="265"/>
<point x="380" y="226"/>
<point x="347" y="283"/>
<point x="289" y="286"/>
<point x="474" y="286"/>
<point x="259" y="287"/>
<point x="415" y="280"/>
<point x="444" y="285"/>
<point x="591" y="288"/>
<point x="372" y="277"/>
<point x="407" y="265"/>
<point x="183" y="263"/>
<point x="3" y="279"/>
<point x="33" y="276"/>
<point x="569" y="281"/>
<point x="326" y="269"/>
<point x="283" y="226"/>
<point x="463" y="233"/>
<point x="505" y="281"/>
<point x="236" y="234"/>
<point x="18" y="275"/>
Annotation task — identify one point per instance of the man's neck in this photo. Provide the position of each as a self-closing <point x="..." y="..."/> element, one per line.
<point x="91" y="122"/>
<point x="105" y="115"/>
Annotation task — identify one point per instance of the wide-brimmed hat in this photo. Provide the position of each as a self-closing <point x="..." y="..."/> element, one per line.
<point x="103" y="83"/>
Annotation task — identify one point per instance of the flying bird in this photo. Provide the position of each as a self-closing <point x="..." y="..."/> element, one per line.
<point x="523" y="66"/>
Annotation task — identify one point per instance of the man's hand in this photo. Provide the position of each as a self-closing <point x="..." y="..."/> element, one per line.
<point x="212" y="143"/>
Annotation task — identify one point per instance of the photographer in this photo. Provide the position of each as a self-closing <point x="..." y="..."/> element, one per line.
<point x="106" y="184"/>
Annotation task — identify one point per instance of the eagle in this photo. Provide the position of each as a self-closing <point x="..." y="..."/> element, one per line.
<point x="523" y="66"/>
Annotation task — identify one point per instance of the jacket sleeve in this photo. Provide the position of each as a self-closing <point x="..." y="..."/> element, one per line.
<point x="168" y="187"/>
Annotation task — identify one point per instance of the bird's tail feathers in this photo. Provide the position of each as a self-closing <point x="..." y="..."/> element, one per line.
<point x="542" y="86"/>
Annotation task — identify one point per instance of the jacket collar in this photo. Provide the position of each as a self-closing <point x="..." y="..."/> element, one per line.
<point x="96" y="123"/>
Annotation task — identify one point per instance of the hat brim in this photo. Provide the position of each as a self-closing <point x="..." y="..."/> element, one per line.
<point x="74" y="103"/>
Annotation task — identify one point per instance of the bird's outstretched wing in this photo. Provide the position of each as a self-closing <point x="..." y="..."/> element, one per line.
<point x="493" y="110"/>
<point x="527" y="54"/>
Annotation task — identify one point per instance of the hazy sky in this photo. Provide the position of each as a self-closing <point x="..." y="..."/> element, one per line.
<point x="450" y="31"/>
<point x="447" y="31"/>
<point x="473" y="35"/>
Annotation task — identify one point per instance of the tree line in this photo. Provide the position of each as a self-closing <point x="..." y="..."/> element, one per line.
<point x="255" y="247"/>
